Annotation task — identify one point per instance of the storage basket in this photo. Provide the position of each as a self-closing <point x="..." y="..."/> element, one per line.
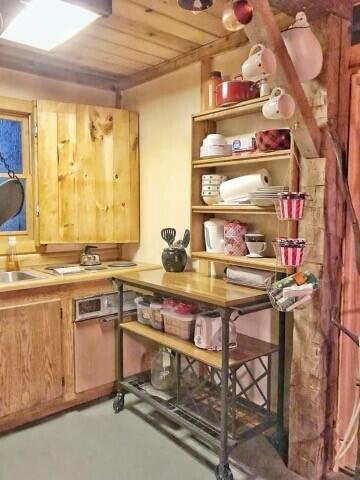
<point x="290" y="252"/>
<point x="182" y="326"/>
<point x="143" y="310"/>
<point x="290" y="205"/>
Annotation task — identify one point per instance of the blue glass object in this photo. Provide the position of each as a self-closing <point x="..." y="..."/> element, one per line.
<point x="18" y="223"/>
<point x="11" y="144"/>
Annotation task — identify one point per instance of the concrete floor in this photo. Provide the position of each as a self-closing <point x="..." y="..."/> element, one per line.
<point x="94" y="444"/>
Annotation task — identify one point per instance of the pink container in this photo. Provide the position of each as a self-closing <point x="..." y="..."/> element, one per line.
<point x="234" y="237"/>
<point x="291" y="206"/>
<point x="290" y="251"/>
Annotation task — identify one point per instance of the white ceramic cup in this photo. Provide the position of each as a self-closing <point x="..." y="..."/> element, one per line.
<point x="256" y="248"/>
<point x="280" y="106"/>
<point x="260" y="63"/>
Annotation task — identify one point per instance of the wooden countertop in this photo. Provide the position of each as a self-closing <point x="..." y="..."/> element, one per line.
<point x="51" y="280"/>
<point x="193" y="286"/>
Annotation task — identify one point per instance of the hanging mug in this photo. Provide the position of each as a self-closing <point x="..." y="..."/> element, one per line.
<point x="260" y="63"/>
<point x="280" y="106"/>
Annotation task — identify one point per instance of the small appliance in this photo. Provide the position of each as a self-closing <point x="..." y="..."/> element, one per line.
<point x="214" y="235"/>
<point x="208" y="331"/>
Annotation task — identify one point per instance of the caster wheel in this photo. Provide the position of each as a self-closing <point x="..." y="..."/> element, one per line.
<point x="223" y="473"/>
<point x="119" y="403"/>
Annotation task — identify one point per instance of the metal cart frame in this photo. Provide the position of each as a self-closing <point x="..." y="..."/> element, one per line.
<point x="221" y="439"/>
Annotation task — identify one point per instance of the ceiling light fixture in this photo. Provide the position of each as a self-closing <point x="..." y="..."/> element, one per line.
<point x="45" y="24"/>
<point x="195" y="5"/>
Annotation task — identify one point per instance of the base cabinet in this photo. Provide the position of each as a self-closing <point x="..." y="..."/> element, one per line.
<point x="31" y="370"/>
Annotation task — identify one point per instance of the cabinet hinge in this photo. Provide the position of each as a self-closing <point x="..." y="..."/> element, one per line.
<point x="37" y="210"/>
<point x="36" y="130"/>
<point x="63" y="381"/>
<point x="61" y="313"/>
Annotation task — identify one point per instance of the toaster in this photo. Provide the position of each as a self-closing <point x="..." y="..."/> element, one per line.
<point x="208" y="329"/>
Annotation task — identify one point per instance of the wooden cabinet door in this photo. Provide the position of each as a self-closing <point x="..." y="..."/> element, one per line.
<point x="88" y="174"/>
<point x="31" y="371"/>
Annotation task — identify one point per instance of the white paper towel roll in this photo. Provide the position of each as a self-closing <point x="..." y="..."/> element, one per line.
<point x="238" y="189"/>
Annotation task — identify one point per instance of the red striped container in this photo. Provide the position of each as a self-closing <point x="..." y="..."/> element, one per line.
<point x="234" y="237"/>
<point x="291" y="251"/>
<point x="291" y="205"/>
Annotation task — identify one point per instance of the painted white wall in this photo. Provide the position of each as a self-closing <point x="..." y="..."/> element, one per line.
<point x="31" y="87"/>
<point x="165" y="106"/>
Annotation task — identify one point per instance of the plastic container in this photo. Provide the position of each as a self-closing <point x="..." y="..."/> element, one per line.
<point x="143" y="310"/>
<point x="180" y="325"/>
<point x="157" y="319"/>
<point x="163" y="370"/>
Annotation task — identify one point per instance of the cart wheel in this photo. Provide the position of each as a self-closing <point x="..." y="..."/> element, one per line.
<point x="119" y="403"/>
<point x="225" y="475"/>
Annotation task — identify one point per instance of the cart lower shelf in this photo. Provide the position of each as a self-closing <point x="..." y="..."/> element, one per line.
<point x="257" y="419"/>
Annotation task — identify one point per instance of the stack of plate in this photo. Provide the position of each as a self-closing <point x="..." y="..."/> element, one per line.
<point x="210" y="188"/>
<point x="265" y="196"/>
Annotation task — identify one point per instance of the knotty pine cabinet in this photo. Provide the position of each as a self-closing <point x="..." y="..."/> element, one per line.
<point x="31" y="364"/>
<point x="88" y="174"/>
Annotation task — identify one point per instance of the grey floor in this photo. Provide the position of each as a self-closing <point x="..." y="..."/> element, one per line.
<point x="94" y="444"/>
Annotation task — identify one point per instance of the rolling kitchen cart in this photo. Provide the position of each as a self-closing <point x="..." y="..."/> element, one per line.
<point x="216" y="407"/>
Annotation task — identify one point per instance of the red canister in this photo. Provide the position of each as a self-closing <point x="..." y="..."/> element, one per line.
<point x="234" y="237"/>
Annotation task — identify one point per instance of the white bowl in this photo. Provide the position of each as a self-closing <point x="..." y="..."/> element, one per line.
<point x="215" y="151"/>
<point x="211" y="200"/>
<point x="214" y="139"/>
<point x="210" y="188"/>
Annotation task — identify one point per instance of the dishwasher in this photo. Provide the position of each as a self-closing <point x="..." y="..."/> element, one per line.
<point x="95" y="320"/>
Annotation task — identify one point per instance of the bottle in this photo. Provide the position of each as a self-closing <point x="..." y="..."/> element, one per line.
<point x="214" y="80"/>
<point x="163" y="369"/>
<point x="12" y="262"/>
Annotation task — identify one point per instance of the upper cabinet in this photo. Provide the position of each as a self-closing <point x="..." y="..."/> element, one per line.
<point x="88" y="174"/>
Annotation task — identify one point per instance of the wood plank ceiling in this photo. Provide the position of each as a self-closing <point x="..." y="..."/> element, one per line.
<point x="142" y="39"/>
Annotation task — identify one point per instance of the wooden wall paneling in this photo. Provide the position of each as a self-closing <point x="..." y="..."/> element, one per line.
<point x="351" y="287"/>
<point x="315" y="9"/>
<point x="206" y="21"/>
<point x="313" y="394"/>
<point x="86" y="204"/>
<point x="31" y="366"/>
<point x="263" y="29"/>
<point x="48" y="171"/>
<point x="133" y="205"/>
<point x="149" y="16"/>
<point x="137" y="43"/>
<point x="147" y="32"/>
<point x="67" y="173"/>
<point x="205" y="70"/>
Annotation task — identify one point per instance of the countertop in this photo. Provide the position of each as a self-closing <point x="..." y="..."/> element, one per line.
<point x="194" y="286"/>
<point x="51" y="280"/>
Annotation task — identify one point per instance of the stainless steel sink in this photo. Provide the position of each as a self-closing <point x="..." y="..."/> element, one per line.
<point x="21" y="276"/>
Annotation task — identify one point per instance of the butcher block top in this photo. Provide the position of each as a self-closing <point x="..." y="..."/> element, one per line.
<point x="193" y="286"/>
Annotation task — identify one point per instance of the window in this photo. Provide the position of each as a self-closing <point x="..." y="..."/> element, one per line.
<point x="15" y="117"/>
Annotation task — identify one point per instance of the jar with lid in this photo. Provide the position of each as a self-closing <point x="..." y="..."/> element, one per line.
<point x="213" y="81"/>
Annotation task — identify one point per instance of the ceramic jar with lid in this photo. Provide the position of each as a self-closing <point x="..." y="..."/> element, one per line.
<point x="234" y="238"/>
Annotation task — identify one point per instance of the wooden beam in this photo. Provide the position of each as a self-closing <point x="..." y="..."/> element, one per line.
<point x="23" y="60"/>
<point x="263" y="29"/>
<point x="229" y="42"/>
<point x="355" y="56"/>
<point x="315" y="9"/>
<point x="205" y="70"/>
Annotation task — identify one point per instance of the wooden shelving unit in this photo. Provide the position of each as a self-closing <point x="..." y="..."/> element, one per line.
<point x="232" y="111"/>
<point x="260" y="219"/>
<point x="244" y="159"/>
<point x="248" y="348"/>
<point x="243" y="209"/>
<point x="265" y="263"/>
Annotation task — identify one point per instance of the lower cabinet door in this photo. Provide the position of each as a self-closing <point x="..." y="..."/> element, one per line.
<point x="31" y="371"/>
<point x="94" y="353"/>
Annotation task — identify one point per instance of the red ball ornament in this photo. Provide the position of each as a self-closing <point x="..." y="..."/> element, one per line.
<point x="243" y="11"/>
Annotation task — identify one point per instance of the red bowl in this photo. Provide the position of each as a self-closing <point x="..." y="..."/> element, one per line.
<point x="235" y="91"/>
<point x="276" y="139"/>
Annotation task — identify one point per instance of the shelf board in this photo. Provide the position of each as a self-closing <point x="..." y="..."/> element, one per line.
<point x="248" y="348"/>
<point x="243" y="159"/>
<point x="265" y="263"/>
<point x="243" y="209"/>
<point x="232" y="111"/>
